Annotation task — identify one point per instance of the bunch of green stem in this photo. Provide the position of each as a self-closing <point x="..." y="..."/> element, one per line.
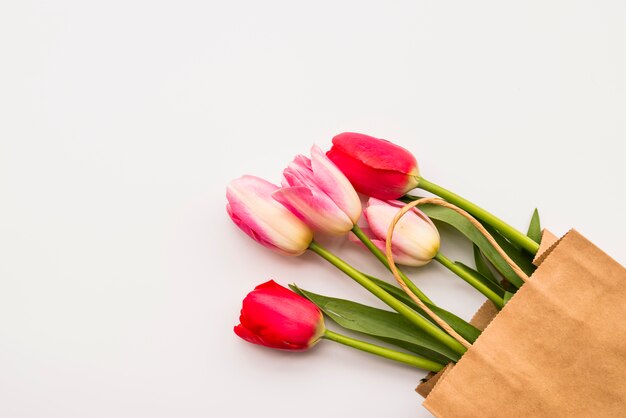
<point x="455" y="268"/>
<point x="410" y="359"/>
<point x="416" y="319"/>
<point x="472" y="280"/>
<point x="513" y="235"/>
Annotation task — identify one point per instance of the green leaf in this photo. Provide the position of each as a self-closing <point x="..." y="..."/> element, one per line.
<point x="464" y="328"/>
<point x="384" y="325"/>
<point x="495" y="287"/>
<point x="482" y="266"/>
<point x="460" y="223"/>
<point x="416" y="349"/>
<point x="523" y="259"/>
<point x="507" y="297"/>
<point x="534" y="229"/>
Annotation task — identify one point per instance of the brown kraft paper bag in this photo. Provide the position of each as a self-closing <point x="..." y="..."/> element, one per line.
<point x="557" y="349"/>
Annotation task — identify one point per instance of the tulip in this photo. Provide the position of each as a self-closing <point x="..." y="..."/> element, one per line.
<point x="319" y="193"/>
<point x="376" y="167"/>
<point x="415" y="240"/>
<point x="276" y="317"/>
<point x="253" y="209"/>
<point x="386" y="171"/>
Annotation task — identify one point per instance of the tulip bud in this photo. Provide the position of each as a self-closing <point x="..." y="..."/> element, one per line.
<point x="276" y="317"/>
<point x="254" y="211"/>
<point x="318" y="192"/>
<point x="415" y="238"/>
<point x="375" y="167"/>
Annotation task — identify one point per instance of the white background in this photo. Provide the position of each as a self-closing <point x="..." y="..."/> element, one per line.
<point x="122" y="122"/>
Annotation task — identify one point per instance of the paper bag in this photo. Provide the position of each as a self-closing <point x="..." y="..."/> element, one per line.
<point x="557" y="349"/>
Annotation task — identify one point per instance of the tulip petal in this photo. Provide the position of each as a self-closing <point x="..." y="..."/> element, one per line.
<point x="335" y="184"/>
<point x="384" y="184"/>
<point x="400" y="204"/>
<point x="275" y="317"/>
<point x="398" y="256"/>
<point x="413" y="235"/>
<point x="372" y="201"/>
<point x="299" y="173"/>
<point x="270" y="284"/>
<point x="376" y="153"/>
<point x="315" y="208"/>
<point x="247" y="335"/>
<point x="252" y="208"/>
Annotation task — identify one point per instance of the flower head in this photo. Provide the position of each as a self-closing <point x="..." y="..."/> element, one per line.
<point x="254" y="211"/>
<point x="415" y="238"/>
<point x="276" y="317"/>
<point x="318" y="193"/>
<point x="375" y="167"/>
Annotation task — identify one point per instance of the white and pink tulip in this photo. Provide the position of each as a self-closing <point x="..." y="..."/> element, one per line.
<point x="319" y="193"/>
<point x="253" y="209"/>
<point x="415" y="239"/>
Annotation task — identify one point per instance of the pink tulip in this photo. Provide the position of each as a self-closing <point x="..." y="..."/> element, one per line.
<point x="253" y="209"/>
<point x="318" y="193"/>
<point x="276" y="317"/>
<point x="415" y="238"/>
<point x="375" y="167"/>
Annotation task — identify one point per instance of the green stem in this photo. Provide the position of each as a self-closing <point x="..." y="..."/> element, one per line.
<point x="496" y="299"/>
<point x="383" y="259"/>
<point x="409" y="359"/>
<point x="392" y="302"/>
<point x="505" y="229"/>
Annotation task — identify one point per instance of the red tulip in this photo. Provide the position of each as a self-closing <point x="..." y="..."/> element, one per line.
<point x="375" y="167"/>
<point x="276" y="317"/>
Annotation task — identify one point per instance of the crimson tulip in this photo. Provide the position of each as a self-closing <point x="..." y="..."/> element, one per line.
<point x="276" y="317"/>
<point x="375" y="167"/>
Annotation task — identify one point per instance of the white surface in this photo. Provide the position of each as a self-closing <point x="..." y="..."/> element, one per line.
<point x="121" y="123"/>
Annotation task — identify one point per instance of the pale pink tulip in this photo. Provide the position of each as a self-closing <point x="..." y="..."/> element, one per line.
<point x="415" y="239"/>
<point x="318" y="193"/>
<point x="253" y="209"/>
<point x="398" y="256"/>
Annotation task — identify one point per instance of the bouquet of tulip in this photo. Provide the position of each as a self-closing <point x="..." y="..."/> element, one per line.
<point x="320" y="195"/>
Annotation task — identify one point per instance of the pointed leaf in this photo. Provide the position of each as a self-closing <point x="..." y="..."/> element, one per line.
<point x="534" y="229"/>
<point x="507" y="297"/>
<point x="494" y="287"/>
<point x="381" y="324"/>
<point x="519" y="257"/>
<point x="482" y="266"/>
<point x="464" y="328"/>
<point x="416" y="349"/>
